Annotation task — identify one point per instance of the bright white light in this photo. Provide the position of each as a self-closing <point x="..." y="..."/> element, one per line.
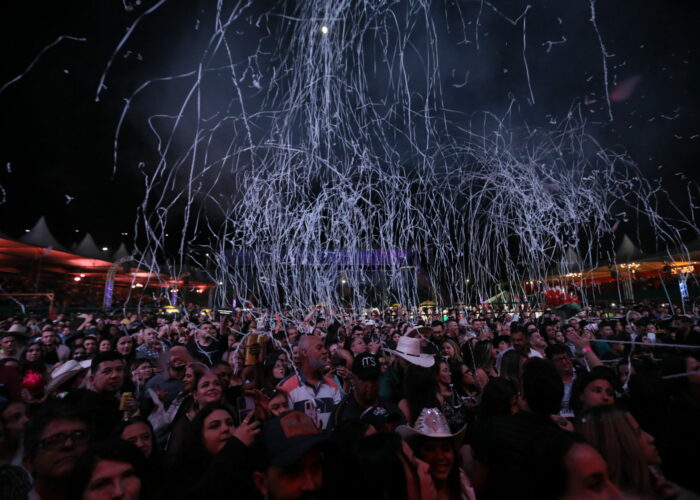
<point x="104" y="249"/>
<point x="77" y="278"/>
<point x="26" y="230"/>
<point x="82" y="275"/>
<point x="324" y="30"/>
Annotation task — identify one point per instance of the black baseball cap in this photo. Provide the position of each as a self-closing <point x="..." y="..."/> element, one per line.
<point x="365" y="366"/>
<point x="378" y="416"/>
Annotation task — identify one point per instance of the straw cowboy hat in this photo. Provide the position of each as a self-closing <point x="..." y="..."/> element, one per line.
<point x="409" y="349"/>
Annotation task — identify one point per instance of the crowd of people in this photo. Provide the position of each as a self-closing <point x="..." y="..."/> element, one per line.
<point x="479" y="404"/>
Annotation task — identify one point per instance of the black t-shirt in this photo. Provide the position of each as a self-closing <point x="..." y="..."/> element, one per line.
<point x="51" y="357"/>
<point x="101" y="411"/>
<point x="348" y="409"/>
<point x="209" y="355"/>
<point x="505" y="446"/>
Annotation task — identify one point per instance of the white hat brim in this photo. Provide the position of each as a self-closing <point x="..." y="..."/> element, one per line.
<point x="64" y="376"/>
<point x="424" y="360"/>
<point x="406" y="431"/>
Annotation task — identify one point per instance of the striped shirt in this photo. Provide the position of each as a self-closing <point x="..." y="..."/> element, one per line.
<point x="307" y="398"/>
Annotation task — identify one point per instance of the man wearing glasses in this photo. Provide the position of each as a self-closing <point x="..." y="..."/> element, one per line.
<point x="56" y="437"/>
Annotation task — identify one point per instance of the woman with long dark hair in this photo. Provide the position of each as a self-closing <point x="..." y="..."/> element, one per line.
<point x="432" y="441"/>
<point x="33" y="372"/>
<point x="593" y="388"/>
<point x="124" y="345"/>
<point x="512" y="367"/>
<point x="114" y="469"/>
<point x="485" y="361"/>
<point x="211" y="432"/>
<point x="139" y="432"/>
<point x="274" y="370"/>
<point x="454" y="407"/>
<point x="421" y="391"/>
<point x="464" y="383"/>
<point x="201" y="387"/>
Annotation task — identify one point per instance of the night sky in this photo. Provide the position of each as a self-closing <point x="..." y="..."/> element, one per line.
<point x="57" y="140"/>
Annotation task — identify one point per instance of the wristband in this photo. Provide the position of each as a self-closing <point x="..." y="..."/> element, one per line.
<point x="587" y="349"/>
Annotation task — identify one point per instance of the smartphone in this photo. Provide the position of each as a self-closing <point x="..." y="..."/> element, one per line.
<point x="245" y="405"/>
<point x="339" y="361"/>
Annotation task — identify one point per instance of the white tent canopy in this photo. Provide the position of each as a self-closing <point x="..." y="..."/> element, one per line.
<point x="41" y="236"/>
<point x="627" y="251"/>
<point x="88" y="248"/>
<point x="120" y="253"/>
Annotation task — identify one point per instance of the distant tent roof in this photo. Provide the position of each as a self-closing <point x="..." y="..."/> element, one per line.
<point x="503" y="297"/>
<point x="627" y="251"/>
<point x="41" y="236"/>
<point x="88" y="248"/>
<point x="571" y="263"/>
<point x="120" y="253"/>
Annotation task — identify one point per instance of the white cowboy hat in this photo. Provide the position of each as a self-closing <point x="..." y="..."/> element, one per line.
<point x="409" y="349"/>
<point x="65" y="372"/>
<point x="431" y="423"/>
<point x="17" y="328"/>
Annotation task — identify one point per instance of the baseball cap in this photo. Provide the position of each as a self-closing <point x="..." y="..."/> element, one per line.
<point x="366" y="366"/>
<point x="289" y="436"/>
<point x="378" y="416"/>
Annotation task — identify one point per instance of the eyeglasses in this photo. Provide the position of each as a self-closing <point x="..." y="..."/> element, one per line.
<point x="56" y="441"/>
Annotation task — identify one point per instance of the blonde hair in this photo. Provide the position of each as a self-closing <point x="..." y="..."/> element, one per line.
<point x="457" y="356"/>
<point x="608" y="429"/>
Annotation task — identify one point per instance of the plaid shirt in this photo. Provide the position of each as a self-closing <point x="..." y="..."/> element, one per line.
<point x="145" y="352"/>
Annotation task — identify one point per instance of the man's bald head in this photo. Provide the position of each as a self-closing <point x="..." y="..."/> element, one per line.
<point x="307" y="341"/>
<point x="313" y="354"/>
<point x="178" y="355"/>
